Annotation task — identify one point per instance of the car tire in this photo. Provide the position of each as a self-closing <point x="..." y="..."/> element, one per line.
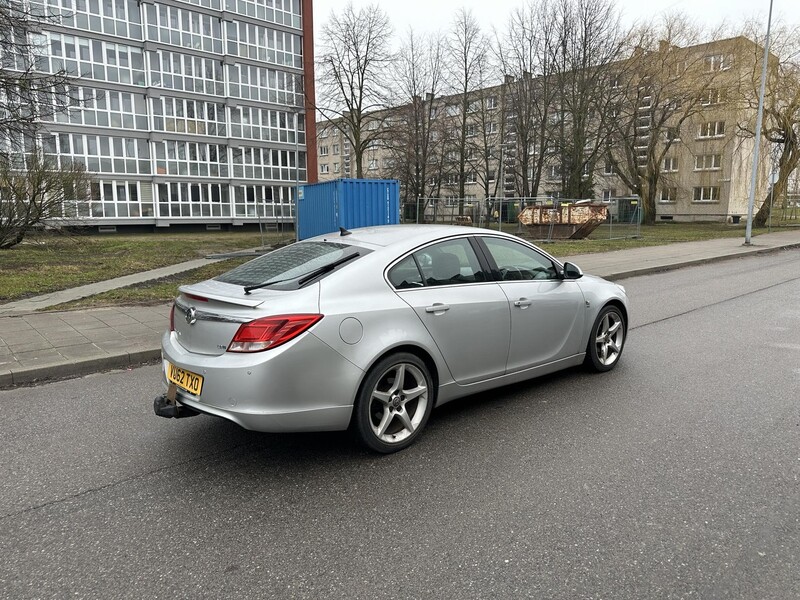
<point x="606" y="340"/>
<point x="394" y="403"/>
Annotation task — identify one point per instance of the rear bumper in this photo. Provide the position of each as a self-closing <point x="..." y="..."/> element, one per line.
<point x="334" y="418"/>
<point x="302" y="386"/>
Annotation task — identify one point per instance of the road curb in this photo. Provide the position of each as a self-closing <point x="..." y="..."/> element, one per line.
<point x="32" y="375"/>
<point x="695" y="262"/>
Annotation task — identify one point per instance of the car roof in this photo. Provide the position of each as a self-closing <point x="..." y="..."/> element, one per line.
<point x="403" y="235"/>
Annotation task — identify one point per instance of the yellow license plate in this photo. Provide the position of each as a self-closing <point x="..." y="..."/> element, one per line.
<point x="191" y="382"/>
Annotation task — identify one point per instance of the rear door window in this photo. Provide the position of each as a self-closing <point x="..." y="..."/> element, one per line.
<point x="451" y="262"/>
<point x="405" y="274"/>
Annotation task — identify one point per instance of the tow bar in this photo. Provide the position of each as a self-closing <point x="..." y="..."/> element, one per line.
<point x="168" y="407"/>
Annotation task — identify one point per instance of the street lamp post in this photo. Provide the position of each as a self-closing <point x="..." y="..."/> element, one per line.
<point x="759" y="121"/>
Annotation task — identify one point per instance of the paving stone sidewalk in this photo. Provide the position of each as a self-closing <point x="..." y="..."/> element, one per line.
<point x="36" y="346"/>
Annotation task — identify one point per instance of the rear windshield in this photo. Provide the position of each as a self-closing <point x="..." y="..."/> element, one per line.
<point x="286" y="265"/>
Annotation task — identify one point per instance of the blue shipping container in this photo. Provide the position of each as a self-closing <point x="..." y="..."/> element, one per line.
<point x="349" y="203"/>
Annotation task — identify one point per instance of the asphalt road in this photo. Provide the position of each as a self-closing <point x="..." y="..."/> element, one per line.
<point x="674" y="476"/>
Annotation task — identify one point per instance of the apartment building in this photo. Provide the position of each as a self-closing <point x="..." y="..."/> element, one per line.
<point x="704" y="165"/>
<point x="183" y="111"/>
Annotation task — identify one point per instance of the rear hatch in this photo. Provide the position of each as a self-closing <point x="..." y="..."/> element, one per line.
<point x="282" y="282"/>
<point x="208" y="314"/>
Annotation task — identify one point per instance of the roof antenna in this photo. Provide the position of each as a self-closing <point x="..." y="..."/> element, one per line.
<point x="343" y="232"/>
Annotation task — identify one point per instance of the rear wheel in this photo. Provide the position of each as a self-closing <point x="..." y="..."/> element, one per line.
<point x="394" y="403"/>
<point x="606" y="340"/>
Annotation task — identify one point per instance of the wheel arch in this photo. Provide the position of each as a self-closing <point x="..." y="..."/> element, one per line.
<point x="417" y="351"/>
<point x="621" y="306"/>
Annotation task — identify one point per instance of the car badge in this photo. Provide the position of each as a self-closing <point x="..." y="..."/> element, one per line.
<point x="191" y="315"/>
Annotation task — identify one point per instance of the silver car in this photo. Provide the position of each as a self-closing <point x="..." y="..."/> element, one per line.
<point x="370" y="329"/>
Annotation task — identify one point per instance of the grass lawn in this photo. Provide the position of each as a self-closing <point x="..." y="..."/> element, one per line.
<point x="52" y="262"/>
<point x="49" y="262"/>
<point x="151" y="292"/>
<point x="650" y="235"/>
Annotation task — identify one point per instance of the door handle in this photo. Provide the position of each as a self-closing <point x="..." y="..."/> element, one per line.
<point x="437" y="308"/>
<point x="522" y="303"/>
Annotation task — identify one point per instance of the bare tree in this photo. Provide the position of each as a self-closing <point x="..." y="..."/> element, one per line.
<point x="354" y="62"/>
<point x="466" y="56"/>
<point x="410" y="132"/>
<point x="781" y="123"/>
<point x="526" y="54"/>
<point x="590" y="41"/>
<point x="34" y="189"/>
<point x="26" y="82"/>
<point x="483" y="156"/>
<point x="664" y="86"/>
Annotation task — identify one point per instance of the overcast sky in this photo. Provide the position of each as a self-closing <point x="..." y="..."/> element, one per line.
<point x="432" y="15"/>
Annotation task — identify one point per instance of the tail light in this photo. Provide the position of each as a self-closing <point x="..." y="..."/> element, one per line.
<point x="172" y="318"/>
<point x="270" y="332"/>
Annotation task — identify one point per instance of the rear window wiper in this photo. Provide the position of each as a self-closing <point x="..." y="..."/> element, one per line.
<point x="305" y="278"/>
<point x="325" y="269"/>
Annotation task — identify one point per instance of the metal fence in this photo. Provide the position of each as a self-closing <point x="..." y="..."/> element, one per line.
<point x="623" y="216"/>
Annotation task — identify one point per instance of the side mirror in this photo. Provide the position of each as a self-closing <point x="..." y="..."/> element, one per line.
<point x="572" y="271"/>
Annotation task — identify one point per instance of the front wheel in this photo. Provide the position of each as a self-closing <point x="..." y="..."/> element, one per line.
<point x="394" y="403"/>
<point x="606" y="340"/>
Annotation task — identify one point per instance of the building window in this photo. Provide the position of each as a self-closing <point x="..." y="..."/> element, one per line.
<point x="677" y="69"/>
<point x="668" y="194"/>
<point x="472" y="131"/>
<point x="471" y="177"/>
<point x="706" y="194"/>
<point x="263" y="44"/>
<point x="263" y="84"/>
<point x="189" y="116"/>
<point x="336" y="167"/>
<point x="707" y="162"/>
<point x="609" y="169"/>
<point x="491" y="128"/>
<point x="608" y="195"/>
<point x="323" y="168"/>
<point x="670" y="165"/>
<point x="672" y="134"/>
<point x="324" y="133"/>
<point x="183" y="27"/>
<point x="712" y="129"/>
<point x="373" y="164"/>
<point x="712" y="96"/>
<point x="94" y="59"/>
<point x="717" y="62"/>
<point x="323" y="150"/>
<point x="554" y="171"/>
<point x="177" y="71"/>
<point x="491" y="102"/>
<point x="263" y="124"/>
<point x="251" y="162"/>
<point x="336" y="149"/>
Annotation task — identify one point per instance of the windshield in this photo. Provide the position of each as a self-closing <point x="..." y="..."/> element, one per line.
<point x="287" y="265"/>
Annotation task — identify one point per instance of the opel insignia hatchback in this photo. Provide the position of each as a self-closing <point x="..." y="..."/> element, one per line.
<point x="371" y="329"/>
